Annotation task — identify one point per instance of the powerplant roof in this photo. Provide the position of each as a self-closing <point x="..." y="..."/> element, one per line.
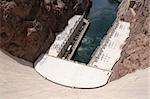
<point x="63" y="37"/>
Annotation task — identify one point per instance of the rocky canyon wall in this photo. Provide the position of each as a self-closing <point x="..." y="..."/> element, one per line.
<point x="136" y="53"/>
<point x="28" y="27"/>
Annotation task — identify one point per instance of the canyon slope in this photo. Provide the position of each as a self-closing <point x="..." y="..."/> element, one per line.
<point x="29" y="27"/>
<point x="136" y="52"/>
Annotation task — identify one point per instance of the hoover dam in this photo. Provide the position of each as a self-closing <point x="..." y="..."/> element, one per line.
<point x="62" y="69"/>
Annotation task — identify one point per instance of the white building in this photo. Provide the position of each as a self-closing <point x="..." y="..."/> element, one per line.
<point x="64" y="39"/>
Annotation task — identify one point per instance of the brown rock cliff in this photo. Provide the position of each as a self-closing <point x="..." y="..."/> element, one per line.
<point x="28" y="27"/>
<point x="136" y="53"/>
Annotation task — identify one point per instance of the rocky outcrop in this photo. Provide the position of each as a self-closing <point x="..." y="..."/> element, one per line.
<point x="136" y="53"/>
<point x="29" y="27"/>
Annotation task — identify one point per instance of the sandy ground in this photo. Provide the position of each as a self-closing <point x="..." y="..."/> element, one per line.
<point x="20" y="81"/>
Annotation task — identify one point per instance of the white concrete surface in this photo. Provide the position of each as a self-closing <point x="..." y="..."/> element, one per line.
<point x="110" y="52"/>
<point x="63" y="37"/>
<point x="71" y="74"/>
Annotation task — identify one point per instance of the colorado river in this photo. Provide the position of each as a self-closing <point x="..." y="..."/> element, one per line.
<point x="101" y="16"/>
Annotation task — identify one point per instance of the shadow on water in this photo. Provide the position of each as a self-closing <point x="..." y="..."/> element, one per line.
<point x="113" y="1"/>
<point x="101" y="16"/>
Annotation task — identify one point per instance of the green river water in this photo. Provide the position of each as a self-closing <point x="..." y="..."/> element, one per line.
<point x="101" y="16"/>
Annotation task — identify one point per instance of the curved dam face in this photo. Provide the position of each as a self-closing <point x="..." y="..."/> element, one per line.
<point x="71" y="74"/>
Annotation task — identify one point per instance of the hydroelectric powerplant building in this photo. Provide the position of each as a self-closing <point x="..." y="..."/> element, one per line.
<point x="56" y="66"/>
<point x="67" y="41"/>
